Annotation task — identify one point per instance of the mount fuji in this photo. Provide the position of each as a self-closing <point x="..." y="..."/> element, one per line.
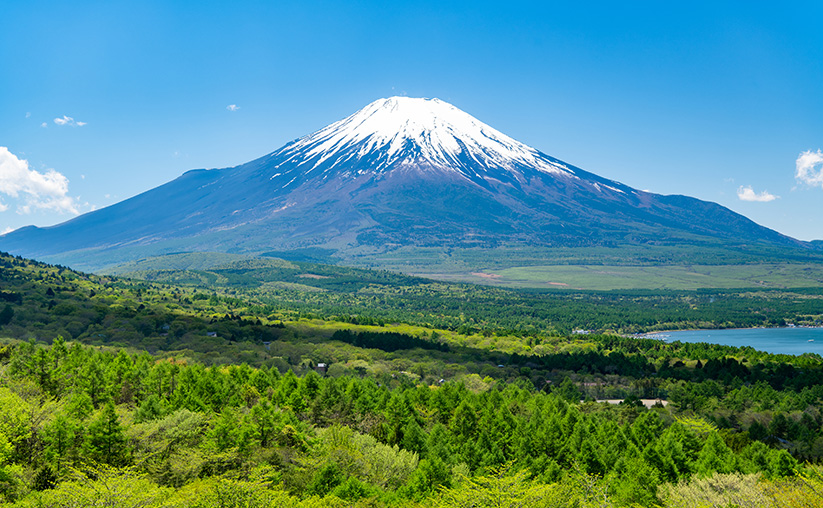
<point x="400" y="172"/>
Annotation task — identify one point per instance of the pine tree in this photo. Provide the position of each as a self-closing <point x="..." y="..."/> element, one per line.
<point x="105" y="440"/>
<point x="414" y="439"/>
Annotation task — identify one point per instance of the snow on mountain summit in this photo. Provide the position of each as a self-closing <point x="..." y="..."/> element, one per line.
<point x="400" y="130"/>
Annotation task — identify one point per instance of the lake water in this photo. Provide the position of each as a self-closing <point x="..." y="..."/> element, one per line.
<point x="790" y="341"/>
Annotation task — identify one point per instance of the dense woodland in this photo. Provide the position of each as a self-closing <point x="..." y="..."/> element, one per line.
<point x="326" y="291"/>
<point x="138" y="394"/>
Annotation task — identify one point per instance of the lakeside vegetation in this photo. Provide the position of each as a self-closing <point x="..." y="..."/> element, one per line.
<point x="161" y="395"/>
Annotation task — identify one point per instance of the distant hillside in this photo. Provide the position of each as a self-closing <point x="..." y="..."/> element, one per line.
<point x="378" y="296"/>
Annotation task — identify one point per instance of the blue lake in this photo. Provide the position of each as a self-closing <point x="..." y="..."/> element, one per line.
<point x="790" y="341"/>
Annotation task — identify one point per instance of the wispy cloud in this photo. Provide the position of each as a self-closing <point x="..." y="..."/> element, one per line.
<point x="232" y="107"/>
<point x="34" y="190"/>
<point x="44" y="125"/>
<point x="748" y="194"/>
<point x="67" y="120"/>
<point x="809" y="168"/>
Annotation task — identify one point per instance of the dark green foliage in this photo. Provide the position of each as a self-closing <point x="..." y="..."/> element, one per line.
<point x="386" y="341"/>
<point x="151" y="408"/>
<point x="353" y="489"/>
<point x="325" y="479"/>
<point x="430" y="475"/>
<point x="567" y="390"/>
<point x="46" y="478"/>
<point x="6" y="315"/>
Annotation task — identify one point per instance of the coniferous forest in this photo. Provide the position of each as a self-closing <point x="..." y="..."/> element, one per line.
<point x="119" y="392"/>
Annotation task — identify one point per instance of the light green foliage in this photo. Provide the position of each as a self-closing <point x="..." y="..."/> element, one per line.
<point x="803" y="491"/>
<point x="363" y="457"/>
<point x="15" y="417"/>
<point x="6" y="449"/>
<point x="167" y="447"/>
<point x="719" y="490"/>
<point x="8" y="478"/>
<point x="224" y="493"/>
<point x="102" y="486"/>
<point x="746" y="490"/>
<point x="505" y="488"/>
<point x="697" y="426"/>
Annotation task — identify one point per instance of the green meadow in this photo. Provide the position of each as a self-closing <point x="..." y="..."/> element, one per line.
<point x="668" y="277"/>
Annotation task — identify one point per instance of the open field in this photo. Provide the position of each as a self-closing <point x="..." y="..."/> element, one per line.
<point x="671" y="277"/>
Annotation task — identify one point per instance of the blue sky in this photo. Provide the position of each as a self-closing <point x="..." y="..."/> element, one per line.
<point x="100" y="101"/>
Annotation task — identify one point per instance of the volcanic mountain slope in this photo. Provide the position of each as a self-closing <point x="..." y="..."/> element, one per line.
<point x="401" y="171"/>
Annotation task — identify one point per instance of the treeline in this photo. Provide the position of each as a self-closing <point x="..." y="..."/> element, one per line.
<point x="387" y="341"/>
<point x="179" y="426"/>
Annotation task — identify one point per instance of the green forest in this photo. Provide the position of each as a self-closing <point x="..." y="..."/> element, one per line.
<point x="327" y="291"/>
<point x="124" y="392"/>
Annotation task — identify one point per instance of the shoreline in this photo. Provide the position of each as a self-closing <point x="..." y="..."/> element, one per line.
<point x="802" y="327"/>
<point x="775" y="340"/>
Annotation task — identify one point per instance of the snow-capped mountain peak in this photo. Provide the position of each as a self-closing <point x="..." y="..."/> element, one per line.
<point x="401" y="130"/>
<point x="400" y="173"/>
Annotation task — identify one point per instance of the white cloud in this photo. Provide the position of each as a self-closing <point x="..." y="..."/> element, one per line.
<point x="748" y="194"/>
<point x="28" y="114"/>
<point x="8" y="229"/>
<point x="809" y="168"/>
<point x="44" y="191"/>
<point x="44" y="125"/>
<point x="232" y="107"/>
<point x="67" y="120"/>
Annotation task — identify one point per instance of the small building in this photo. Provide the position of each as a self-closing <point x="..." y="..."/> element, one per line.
<point x="211" y="334"/>
<point x="321" y="368"/>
